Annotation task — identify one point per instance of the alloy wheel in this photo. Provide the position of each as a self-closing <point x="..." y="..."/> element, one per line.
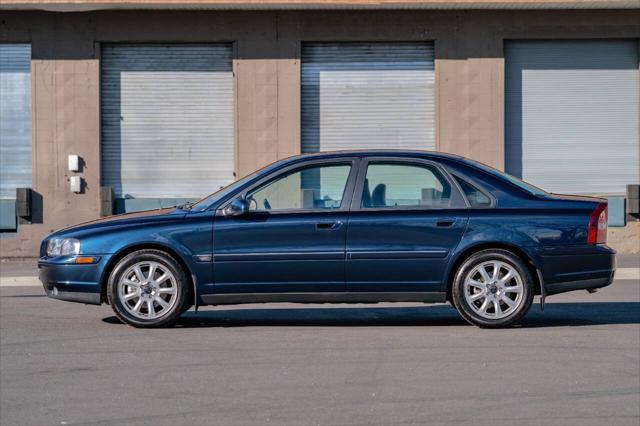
<point x="493" y="289"/>
<point x="147" y="290"/>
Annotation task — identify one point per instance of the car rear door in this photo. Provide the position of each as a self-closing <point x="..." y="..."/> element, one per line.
<point x="293" y="237"/>
<point x="407" y="217"/>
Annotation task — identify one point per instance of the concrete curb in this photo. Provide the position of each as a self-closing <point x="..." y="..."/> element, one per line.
<point x="20" y="282"/>
<point x="628" y="274"/>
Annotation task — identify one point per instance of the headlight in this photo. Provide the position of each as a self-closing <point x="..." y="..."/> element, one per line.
<point x="63" y="247"/>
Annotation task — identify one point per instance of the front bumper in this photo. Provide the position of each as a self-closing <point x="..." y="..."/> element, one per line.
<point x="64" y="280"/>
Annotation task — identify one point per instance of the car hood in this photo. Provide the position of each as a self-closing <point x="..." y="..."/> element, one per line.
<point x="147" y="216"/>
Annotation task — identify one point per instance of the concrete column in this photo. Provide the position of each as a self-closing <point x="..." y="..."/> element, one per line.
<point x="470" y="92"/>
<point x="267" y="100"/>
<point x="471" y="108"/>
<point x="66" y="117"/>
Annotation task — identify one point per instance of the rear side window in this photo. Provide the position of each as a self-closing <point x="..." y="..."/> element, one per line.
<point x="502" y="175"/>
<point x="475" y="197"/>
<point x="405" y="185"/>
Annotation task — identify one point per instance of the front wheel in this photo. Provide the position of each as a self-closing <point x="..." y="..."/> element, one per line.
<point x="493" y="289"/>
<point x="148" y="288"/>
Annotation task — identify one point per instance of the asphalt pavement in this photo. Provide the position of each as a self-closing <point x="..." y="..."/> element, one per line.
<point x="576" y="363"/>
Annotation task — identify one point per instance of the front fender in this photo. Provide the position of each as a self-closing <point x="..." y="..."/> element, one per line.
<point x="194" y="270"/>
<point x="184" y="238"/>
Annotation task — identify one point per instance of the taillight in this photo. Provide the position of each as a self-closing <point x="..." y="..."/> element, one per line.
<point x="598" y="225"/>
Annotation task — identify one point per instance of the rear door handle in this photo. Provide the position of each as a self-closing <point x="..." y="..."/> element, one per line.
<point x="445" y="223"/>
<point x="329" y="226"/>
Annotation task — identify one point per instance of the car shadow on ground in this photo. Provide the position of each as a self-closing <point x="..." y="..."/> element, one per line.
<point x="554" y="315"/>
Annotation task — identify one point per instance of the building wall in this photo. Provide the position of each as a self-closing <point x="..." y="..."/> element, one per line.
<point x="66" y="77"/>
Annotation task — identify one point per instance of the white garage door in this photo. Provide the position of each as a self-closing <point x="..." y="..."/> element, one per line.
<point x="367" y="96"/>
<point x="167" y="119"/>
<point x="572" y="114"/>
<point x="15" y="118"/>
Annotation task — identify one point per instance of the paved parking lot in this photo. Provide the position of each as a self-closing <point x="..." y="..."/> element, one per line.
<point x="577" y="363"/>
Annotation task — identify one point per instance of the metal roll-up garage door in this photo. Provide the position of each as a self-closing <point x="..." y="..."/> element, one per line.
<point x="572" y="114"/>
<point x="367" y="96"/>
<point x="167" y="119"/>
<point x="15" y="127"/>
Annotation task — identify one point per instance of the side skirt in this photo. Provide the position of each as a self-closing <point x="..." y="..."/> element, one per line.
<point x="240" y="298"/>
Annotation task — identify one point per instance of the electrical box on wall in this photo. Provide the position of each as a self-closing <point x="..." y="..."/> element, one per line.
<point x="23" y="202"/>
<point x="75" y="184"/>
<point x="74" y="163"/>
<point x="106" y="201"/>
<point x="633" y="200"/>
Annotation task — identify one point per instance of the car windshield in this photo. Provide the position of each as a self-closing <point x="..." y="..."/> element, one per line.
<point x="207" y="201"/>
<point x="514" y="180"/>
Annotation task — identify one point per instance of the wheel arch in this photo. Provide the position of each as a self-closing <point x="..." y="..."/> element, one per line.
<point x="465" y="253"/>
<point x="145" y="246"/>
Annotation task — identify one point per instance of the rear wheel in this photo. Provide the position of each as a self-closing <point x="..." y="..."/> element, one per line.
<point x="148" y="288"/>
<point x="493" y="288"/>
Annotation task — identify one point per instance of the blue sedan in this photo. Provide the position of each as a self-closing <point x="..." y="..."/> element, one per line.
<point x="341" y="227"/>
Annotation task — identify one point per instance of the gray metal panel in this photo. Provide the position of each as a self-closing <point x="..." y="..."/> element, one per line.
<point x="572" y="114"/>
<point x="15" y="118"/>
<point x="167" y="119"/>
<point x="368" y="95"/>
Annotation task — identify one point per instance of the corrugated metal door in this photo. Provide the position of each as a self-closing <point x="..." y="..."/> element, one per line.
<point x="167" y="119"/>
<point x="15" y="118"/>
<point x="367" y="96"/>
<point x="572" y="114"/>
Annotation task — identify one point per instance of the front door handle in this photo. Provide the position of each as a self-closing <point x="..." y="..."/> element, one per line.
<point x="445" y="223"/>
<point x="328" y="226"/>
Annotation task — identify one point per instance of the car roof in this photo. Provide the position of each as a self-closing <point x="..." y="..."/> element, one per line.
<point x="377" y="153"/>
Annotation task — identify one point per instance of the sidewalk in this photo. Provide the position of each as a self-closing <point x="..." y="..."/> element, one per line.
<point x="18" y="273"/>
<point x="24" y="272"/>
<point x="18" y="268"/>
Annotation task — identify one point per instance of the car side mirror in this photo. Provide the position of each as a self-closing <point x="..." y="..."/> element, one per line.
<point x="237" y="207"/>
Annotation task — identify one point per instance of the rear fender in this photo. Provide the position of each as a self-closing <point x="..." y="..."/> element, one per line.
<point x="482" y="238"/>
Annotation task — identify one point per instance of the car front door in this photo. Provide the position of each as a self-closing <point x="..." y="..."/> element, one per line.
<point x="407" y="217"/>
<point x="292" y="238"/>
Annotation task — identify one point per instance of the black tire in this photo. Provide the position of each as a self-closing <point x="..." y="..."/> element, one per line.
<point x="182" y="295"/>
<point x="467" y="266"/>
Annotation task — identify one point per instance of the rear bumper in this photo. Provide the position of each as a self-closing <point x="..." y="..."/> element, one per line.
<point x="64" y="280"/>
<point x="579" y="268"/>
<point x="578" y="285"/>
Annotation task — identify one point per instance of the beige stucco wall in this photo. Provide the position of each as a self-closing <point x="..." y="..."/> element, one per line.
<point x="625" y="240"/>
<point x="66" y="121"/>
<point x="469" y="78"/>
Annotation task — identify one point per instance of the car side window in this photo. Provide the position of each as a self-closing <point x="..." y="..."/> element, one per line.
<point x="310" y="188"/>
<point x="409" y="185"/>
<point x="475" y="197"/>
